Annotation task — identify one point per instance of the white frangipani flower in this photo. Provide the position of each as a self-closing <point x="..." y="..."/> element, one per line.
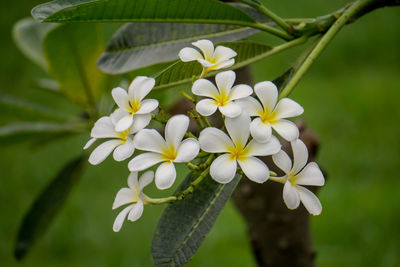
<point x="221" y="98"/>
<point x="168" y="151"/>
<point x="132" y="101"/>
<point x="296" y="176"/>
<point x="236" y="149"/>
<point x="221" y="57"/>
<point x="121" y="142"/>
<point x="271" y="114"/>
<point x="134" y="194"/>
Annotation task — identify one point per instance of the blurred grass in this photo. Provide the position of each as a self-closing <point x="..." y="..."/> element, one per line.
<point x="350" y="98"/>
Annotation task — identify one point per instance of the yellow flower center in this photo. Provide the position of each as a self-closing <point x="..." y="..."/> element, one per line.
<point x="169" y="153"/>
<point x="222" y="99"/>
<point x="292" y="178"/>
<point x="123" y="135"/>
<point x="134" y="106"/>
<point x="267" y="116"/>
<point x="238" y="152"/>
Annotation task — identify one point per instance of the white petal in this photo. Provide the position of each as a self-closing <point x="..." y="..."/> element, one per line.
<point x="206" y="107"/>
<point x="224" y="64"/>
<point x="147" y="106"/>
<point x="124" y="151"/>
<point x="203" y="87"/>
<point x="189" y="54"/>
<point x="144" y="161"/>
<point x="205" y="63"/>
<point x="102" y="151"/>
<point x="287" y="108"/>
<point x="213" y="140"/>
<point x="271" y="147"/>
<point x="287" y="129"/>
<point x="188" y="150"/>
<point x="118" y="114"/>
<point x="165" y="175"/>
<point x="231" y="110"/>
<point x="136" y="211"/>
<point x="206" y="46"/>
<point x="239" y="129"/>
<point x="121" y="98"/>
<point x="89" y="143"/>
<point x="223" y="169"/>
<point x="124" y="124"/>
<point x="240" y="91"/>
<point x="282" y="160"/>
<point x="223" y="53"/>
<point x="175" y="130"/>
<point x="138" y="90"/>
<point x="149" y="140"/>
<point x="254" y="169"/>
<point x="139" y="122"/>
<point x="268" y="94"/>
<point x="104" y="128"/>
<point x="290" y="196"/>
<point x="225" y="81"/>
<point x="146" y="179"/>
<point x="124" y="196"/>
<point x="260" y="131"/>
<point x="250" y="105"/>
<point x="310" y="201"/>
<point x="121" y="218"/>
<point x="310" y="175"/>
<point x="133" y="181"/>
<point x="300" y="155"/>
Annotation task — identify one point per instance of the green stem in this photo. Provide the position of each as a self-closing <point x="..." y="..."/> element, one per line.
<point x="181" y="195"/>
<point x="278" y="20"/>
<point x="272" y="30"/>
<point x="322" y="44"/>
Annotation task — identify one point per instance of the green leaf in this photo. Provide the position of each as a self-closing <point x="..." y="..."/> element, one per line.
<point x="183" y="72"/>
<point x="28" y="34"/>
<point x="48" y="204"/>
<point x="71" y="51"/>
<point x="29" y="131"/>
<point x="203" y="11"/>
<point x="137" y="45"/>
<point x="15" y="107"/>
<point x="184" y="224"/>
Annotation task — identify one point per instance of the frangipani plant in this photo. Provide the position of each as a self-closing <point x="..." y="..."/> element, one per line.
<point x="138" y="128"/>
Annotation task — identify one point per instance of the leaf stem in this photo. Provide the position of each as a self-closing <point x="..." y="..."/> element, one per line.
<point x="322" y="44"/>
<point x="271" y="30"/>
<point x="278" y="20"/>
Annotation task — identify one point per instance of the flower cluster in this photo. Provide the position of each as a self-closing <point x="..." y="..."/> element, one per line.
<point x="247" y="134"/>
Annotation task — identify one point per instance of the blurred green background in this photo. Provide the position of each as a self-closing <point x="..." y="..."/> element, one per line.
<point x="350" y="96"/>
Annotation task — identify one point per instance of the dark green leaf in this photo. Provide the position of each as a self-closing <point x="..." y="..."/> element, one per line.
<point x="184" y="224"/>
<point x="15" y="107"/>
<point x="72" y="51"/>
<point x="47" y="206"/>
<point x="28" y="131"/>
<point x="137" y="45"/>
<point x="203" y="11"/>
<point x="28" y="34"/>
<point x="182" y="72"/>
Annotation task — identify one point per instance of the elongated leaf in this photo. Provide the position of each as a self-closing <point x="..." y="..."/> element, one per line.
<point x="204" y="11"/>
<point x="28" y="34"/>
<point x="184" y="224"/>
<point x="138" y="45"/>
<point x="182" y="72"/>
<point x="48" y="204"/>
<point x="16" y="107"/>
<point x="29" y="131"/>
<point x="72" y="51"/>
